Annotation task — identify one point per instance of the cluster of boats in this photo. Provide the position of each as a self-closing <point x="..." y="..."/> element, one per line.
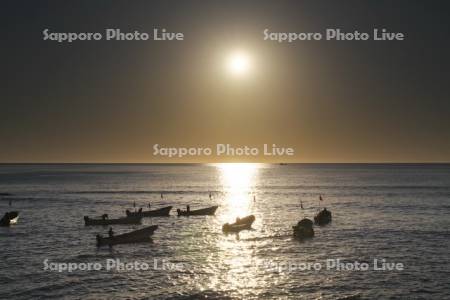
<point x="135" y="217"/>
<point x="302" y="230"/>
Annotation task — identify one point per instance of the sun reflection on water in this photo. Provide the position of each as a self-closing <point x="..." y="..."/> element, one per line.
<point x="238" y="183"/>
<point x="234" y="261"/>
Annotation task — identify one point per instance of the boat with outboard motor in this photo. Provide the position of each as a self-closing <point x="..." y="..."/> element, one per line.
<point x="323" y="217"/>
<point x="161" y="212"/>
<point x="239" y="225"/>
<point x="209" y="211"/>
<point x="303" y="229"/>
<point x="104" y="220"/>
<point x="137" y="236"/>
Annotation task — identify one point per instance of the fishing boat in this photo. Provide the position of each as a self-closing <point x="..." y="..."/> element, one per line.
<point x="161" y="212"/>
<point x="303" y="229"/>
<point x="105" y="221"/>
<point x="137" y="236"/>
<point x="323" y="217"/>
<point x="209" y="211"/>
<point x="9" y="218"/>
<point x="240" y="224"/>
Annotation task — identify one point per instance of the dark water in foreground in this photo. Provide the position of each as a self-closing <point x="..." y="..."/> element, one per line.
<point x="395" y="212"/>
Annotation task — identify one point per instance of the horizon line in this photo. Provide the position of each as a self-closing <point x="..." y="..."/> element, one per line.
<point x="205" y="163"/>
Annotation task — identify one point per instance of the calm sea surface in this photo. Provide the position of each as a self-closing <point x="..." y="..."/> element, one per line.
<point x="400" y="213"/>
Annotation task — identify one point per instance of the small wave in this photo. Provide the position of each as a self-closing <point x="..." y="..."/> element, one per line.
<point x="262" y="238"/>
<point x="144" y="192"/>
<point x="351" y="187"/>
<point x="97" y="255"/>
<point x="201" y="295"/>
<point x="50" y="199"/>
<point x="350" y="297"/>
<point x="424" y="291"/>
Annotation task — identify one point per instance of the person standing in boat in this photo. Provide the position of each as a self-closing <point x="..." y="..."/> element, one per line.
<point x="110" y="232"/>
<point x="148" y="205"/>
<point x="188" y="208"/>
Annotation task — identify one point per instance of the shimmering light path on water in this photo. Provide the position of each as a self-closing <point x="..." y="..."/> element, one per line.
<point x="396" y="212"/>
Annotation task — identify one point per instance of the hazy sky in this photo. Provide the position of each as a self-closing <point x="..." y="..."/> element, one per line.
<point x="332" y="101"/>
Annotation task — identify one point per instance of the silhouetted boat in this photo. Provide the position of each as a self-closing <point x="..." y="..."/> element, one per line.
<point x="105" y="221"/>
<point x="209" y="211"/>
<point x="161" y="212"/>
<point x="9" y="218"/>
<point x="6" y="194"/>
<point x="323" y="217"/>
<point x="137" y="236"/>
<point x="303" y="229"/>
<point x="240" y="224"/>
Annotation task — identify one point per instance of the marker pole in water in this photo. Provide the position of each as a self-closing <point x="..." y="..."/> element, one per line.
<point x="302" y="209"/>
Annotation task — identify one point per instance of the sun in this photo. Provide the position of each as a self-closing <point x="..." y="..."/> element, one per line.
<point x="238" y="63"/>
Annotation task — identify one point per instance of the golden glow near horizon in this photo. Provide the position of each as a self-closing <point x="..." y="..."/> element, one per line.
<point x="238" y="63"/>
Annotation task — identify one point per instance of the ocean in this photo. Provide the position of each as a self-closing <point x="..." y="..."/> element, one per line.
<point x="396" y="214"/>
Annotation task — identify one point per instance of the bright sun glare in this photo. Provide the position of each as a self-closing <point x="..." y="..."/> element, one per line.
<point x="238" y="181"/>
<point x="238" y="63"/>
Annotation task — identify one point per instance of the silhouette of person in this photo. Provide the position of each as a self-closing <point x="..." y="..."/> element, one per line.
<point x="110" y="232"/>
<point x="188" y="208"/>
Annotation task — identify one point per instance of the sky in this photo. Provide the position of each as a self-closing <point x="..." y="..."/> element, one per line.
<point x="331" y="101"/>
